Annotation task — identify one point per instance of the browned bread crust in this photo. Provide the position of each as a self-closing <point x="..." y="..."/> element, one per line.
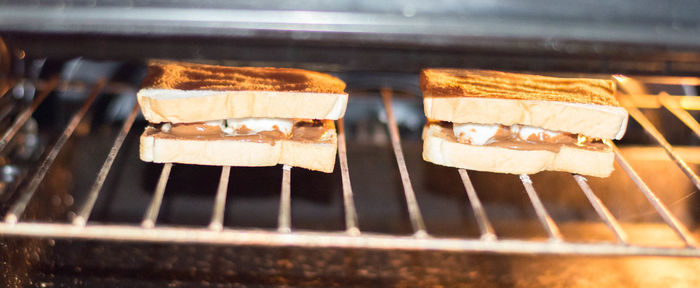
<point x="503" y="85"/>
<point x="189" y="76"/>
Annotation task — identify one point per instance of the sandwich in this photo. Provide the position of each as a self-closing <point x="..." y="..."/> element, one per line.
<point x="240" y="116"/>
<point x="520" y="124"/>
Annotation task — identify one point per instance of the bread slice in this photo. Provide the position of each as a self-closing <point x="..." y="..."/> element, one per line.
<point x="441" y="149"/>
<point x="183" y="92"/>
<point x="606" y="122"/>
<point x="158" y="147"/>
<point x="580" y="106"/>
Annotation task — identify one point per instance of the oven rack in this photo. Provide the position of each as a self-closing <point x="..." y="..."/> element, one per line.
<point x="353" y="237"/>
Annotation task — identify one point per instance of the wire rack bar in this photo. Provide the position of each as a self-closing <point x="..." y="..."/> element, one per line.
<point x="21" y="204"/>
<point x="348" y="201"/>
<point x="549" y="225"/>
<point x="487" y="231"/>
<point x="602" y="211"/>
<point x="651" y="130"/>
<point x="669" y="80"/>
<point x="149" y="220"/>
<point x="413" y="209"/>
<point x="84" y="213"/>
<point x="670" y="220"/>
<point x="683" y="115"/>
<point x="27" y="114"/>
<point x="6" y="86"/>
<point x="284" y="219"/>
<point x="6" y="110"/>
<point x="329" y="240"/>
<point x="217" y="217"/>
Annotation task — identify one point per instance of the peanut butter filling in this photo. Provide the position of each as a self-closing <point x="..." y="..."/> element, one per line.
<point x="316" y="131"/>
<point x="504" y="138"/>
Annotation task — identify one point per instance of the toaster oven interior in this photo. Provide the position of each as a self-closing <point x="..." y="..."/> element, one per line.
<point x="79" y="208"/>
<point x="475" y="222"/>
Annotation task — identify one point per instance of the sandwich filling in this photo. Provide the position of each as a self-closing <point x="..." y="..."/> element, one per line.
<point x="519" y="137"/>
<point x="261" y="130"/>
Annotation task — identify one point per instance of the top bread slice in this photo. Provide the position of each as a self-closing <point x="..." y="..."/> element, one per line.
<point x="574" y="105"/>
<point x="184" y="93"/>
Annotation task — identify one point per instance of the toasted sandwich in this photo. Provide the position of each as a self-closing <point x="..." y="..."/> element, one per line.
<point x="240" y="116"/>
<point x="518" y="123"/>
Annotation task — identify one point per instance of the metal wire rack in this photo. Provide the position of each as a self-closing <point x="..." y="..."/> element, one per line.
<point x="352" y="237"/>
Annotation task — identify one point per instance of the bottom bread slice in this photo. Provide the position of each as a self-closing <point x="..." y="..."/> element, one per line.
<point x="310" y="155"/>
<point x="446" y="151"/>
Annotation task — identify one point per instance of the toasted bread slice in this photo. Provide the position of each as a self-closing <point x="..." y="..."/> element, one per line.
<point x="441" y="149"/>
<point x="160" y="148"/>
<point x="580" y="106"/>
<point x="183" y="92"/>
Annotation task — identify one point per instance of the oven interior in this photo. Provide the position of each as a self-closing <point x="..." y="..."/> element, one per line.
<point x="317" y="204"/>
<point x="85" y="83"/>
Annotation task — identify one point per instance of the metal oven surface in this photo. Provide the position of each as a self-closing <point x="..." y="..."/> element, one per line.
<point x="631" y="36"/>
